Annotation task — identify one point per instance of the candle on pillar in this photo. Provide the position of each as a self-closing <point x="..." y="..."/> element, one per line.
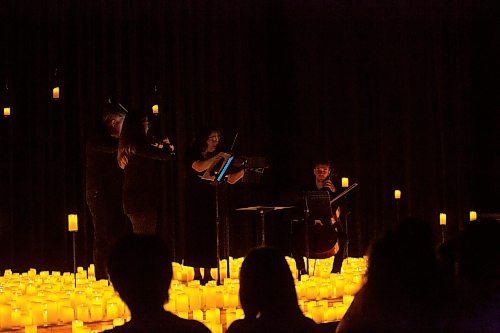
<point x="55" y="93"/>
<point x="155" y="109"/>
<point x="472" y="216"/>
<point x="6" y="112"/>
<point x="442" y="219"/>
<point x="345" y="182"/>
<point x="397" y="194"/>
<point x="72" y="222"/>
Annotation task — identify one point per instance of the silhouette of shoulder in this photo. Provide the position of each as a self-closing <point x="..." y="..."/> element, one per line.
<point x="278" y="325"/>
<point x="166" y="323"/>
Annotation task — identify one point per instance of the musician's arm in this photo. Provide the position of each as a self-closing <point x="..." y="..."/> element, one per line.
<point x="202" y="165"/>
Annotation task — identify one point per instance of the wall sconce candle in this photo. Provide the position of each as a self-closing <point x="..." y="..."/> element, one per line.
<point x="155" y="109"/>
<point x="55" y="93"/>
<point x="397" y="194"/>
<point x="6" y="112"/>
<point x="472" y="216"/>
<point x="442" y="219"/>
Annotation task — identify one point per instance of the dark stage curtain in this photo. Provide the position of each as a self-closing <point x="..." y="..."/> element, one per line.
<point x="397" y="94"/>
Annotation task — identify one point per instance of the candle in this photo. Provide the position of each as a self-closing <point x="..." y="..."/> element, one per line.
<point x="30" y="329"/>
<point x="155" y="109"/>
<point x="397" y="194"/>
<point x="198" y="315"/>
<point x="230" y="316"/>
<point x="472" y="215"/>
<point x="118" y="322"/>
<point x="442" y="219"/>
<point x="213" y="315"/>
<point x="5" y="316"/>
<point x="72" y="222"/>
<point x="111" y="311"/>
<point x="345" y="182"/>
<point x="210" y="298"/>
<point x="6" y="112"/>
<point x="182" y="302"/>
<point x="55" y="93"/>
<point x="75" y="325"/>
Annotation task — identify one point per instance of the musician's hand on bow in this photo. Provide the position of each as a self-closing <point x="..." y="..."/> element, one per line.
<point x="329" y="185"/>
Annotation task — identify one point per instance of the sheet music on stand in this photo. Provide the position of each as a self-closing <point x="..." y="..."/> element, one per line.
<point x="218" y="168"/>
<point x="318" y="203"/>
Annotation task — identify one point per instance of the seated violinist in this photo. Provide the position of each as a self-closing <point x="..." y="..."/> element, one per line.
<point x="326" y="237"/>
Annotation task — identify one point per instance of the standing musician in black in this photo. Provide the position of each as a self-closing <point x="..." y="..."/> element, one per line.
<point x="104" y="185"/>
<point x="320" y="228"/>
<point x="201" y="245"/>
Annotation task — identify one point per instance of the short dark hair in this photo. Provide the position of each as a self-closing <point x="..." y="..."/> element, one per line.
<point x="324" y="162"/>
<point x="140" y="268"/>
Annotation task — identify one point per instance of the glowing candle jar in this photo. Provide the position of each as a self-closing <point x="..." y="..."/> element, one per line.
<point x="213" y="315"/>
<point x="55" y="93"/>
<point x="181" y="302"/>
<point x="67" y="314"/>
<point x="5" y="316"/>
<point x="442" y="219"/>
<point x="194" y="296"/>
<point x="118" y="322"/>
<point x="397" y="194"/>
<point x="30" y="329"/>
<point x="16" y="317"/>
<point x="72" y="222"/>
<point x="219" y="298"/>
<point x="37" y="310"/>
<point x="83" y="312"/>
<point x="311" y="291"/>
<point x="317" y="312"/>
<point x="155" y="109"/>
<point x="75" y="325"/>
<point x="472" y="216"/>
<point x="345" y="182"/>
<point x="216" y="328"/>
<point x="52" y="312"/>
<point x="240" y="314"/>
<point x="329" y="314"/>
<point x="96" y="310"/>
<point x="347" y="299"/>
<point x="198" y="315"/>
<point x="230" y="316"/>
<point x="6" y="112"/>
<point x="183" y="314"/>
<point x="111" y="311"/>
<point x="325" y="291"/>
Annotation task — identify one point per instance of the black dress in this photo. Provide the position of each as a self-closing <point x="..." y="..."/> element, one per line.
<point x="201" y="236"/>
<point x="142" y="187"/>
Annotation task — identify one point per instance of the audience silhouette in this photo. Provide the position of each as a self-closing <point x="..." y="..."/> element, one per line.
<point x="402" y="292"/>
<point x="140" y="270"/>
<point x="475" y="302"/>
<point x="268" y="297"/>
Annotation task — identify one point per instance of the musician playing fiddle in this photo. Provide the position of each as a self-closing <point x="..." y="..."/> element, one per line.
<point x="201" y="244"/>
<point x="323" y="182"/>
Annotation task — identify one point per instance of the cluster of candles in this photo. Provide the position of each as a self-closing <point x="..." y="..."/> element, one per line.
<point x="45" y="299"/>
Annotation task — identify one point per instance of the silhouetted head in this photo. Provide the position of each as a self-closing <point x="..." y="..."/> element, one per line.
<point x="140" y="268"/>
<point x="403" y="259"/>
<point x="266" y="284"/>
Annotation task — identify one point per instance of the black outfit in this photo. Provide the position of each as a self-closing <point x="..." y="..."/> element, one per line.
<point x="104" y="196"/>
<point x="201" y="236"/>
<point x="298" y="247"/>
<point x="167" y="322"/>
<point x="142" y="188"/>
<point x="284" y="324"/>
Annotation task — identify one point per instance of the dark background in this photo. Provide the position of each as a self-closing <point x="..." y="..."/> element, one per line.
<point x="399" y="94"/>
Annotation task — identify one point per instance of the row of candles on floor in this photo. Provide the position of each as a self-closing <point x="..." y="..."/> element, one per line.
<point x="41" y="299"/>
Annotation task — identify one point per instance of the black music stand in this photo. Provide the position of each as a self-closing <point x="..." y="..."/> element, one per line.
<point x="262" y="210"/>
<point x="216" y="173"/>
<point x="316" y="207"/>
